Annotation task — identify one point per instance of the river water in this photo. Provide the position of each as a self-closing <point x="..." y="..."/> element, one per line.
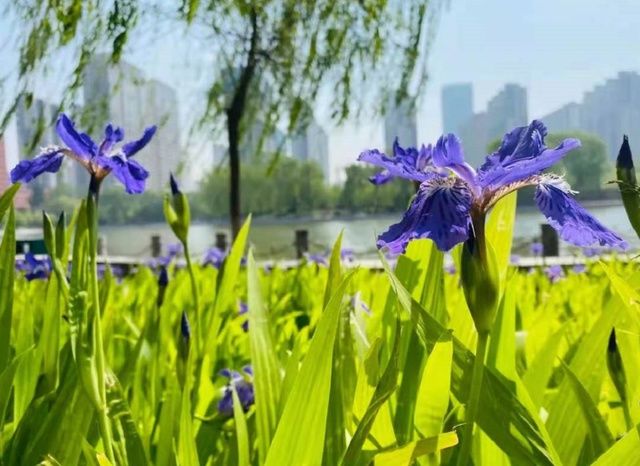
<point x="276" y="239"/>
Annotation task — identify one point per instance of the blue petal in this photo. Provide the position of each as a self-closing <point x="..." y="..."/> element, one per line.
<point x="133" y="147"/>
<point x="27" y="170"/>
<point x="574" y="224"/>
<point x="440" y="211"/>
<point x="410" y="163"/>
<point x="521" y="155"/>
<point x="80" y="143"/>
<point x="448" y="154"/>
<point x="129" y="172"/>
<point x="112" y="136"/>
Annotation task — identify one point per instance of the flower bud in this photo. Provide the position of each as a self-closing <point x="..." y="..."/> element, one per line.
<point x="627" y="184"/>
<point x="481" y="283"/>
<point x="615" y="367"/>
<point x="176" y="211"/>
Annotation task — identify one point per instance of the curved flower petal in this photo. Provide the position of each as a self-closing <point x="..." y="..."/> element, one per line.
<point x="80" y="143"/>
<point x="50" y="161"/>
<point x="129" y="172"/>
<point x="522" y="154"/>
<point x="574" y="224"/>
<point x="440" y="211"/>
<point x="448" y="154"/>
<point x="112" y="136"/>
<point x="132" y="148"/>
<point x="409" y="163"/>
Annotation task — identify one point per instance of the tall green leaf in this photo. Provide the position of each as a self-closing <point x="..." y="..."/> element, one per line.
<point x="264" y="359"/>
<point x="501" y="414"/>
<point x="299" y="438"/>
<point x="7" y="260"/>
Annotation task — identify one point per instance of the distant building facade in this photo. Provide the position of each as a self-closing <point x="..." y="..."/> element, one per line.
<point x="609" y="110"/>
<point x="121" y="94"/>
<point x="400" y="122"/>
<point x="505" y="110"/>
<point x="21" y="199"/>
<point x="313" y="144"/>
<point x="457" y="106"/>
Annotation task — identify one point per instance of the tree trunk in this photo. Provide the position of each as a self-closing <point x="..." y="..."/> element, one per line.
<point x="235" y="112"/>
<point x="235" y="214"/>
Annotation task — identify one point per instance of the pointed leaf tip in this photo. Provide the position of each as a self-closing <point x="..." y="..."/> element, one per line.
<point x="625" y="159"/>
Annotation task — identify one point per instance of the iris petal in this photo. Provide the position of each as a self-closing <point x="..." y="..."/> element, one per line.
<point x="448" y="153"/>
<point x="112" y="136"/>
<point x="408" y="163"/>
<point x="27" y="170"/>
<point x="521" y="155"/>
<point x="80" y="143"/>
<point x="132" y="148"/>
<point x="440" y="211"/>
<point x="574" y="224"/>
<point x="129" y="172"/>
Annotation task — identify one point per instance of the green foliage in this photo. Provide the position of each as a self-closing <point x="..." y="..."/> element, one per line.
<point x="95" y="374"/>
<point x="358" y="194"/>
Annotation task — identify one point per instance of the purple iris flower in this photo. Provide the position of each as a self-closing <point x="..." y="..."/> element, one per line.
<point x="243" y="386"/>
<point x="173" y="250"/>
<point x="163" y="277"/>
<point x="406" y="162"/>
<point x="319" y="259"/>
<point x="214" y="257"/>
<point x="590" y="252"/>
<point x="514" y="259"/>
<point x="347" y="255"/>
<point x="450" y="209"/>
<point x="579" y="268"/>
<point x="554" y="273"/>
<point x="536" y="249"/>
<point x="34" y="268"/>
<point x="99" y="160"/>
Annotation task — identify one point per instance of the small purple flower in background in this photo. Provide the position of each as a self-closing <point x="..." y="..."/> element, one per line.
<point x="173" y="251"/>
<point x="318" y="259"/>
<point x="579" y="268"/>
<point x="34" y="268"/>
<point x="554" y="273"/>
<point x="450" y="268"/>
<point x="536" y="249"/>
<point x="116" y="270"/>
<point x="514" y="259"/>
<point x="242" y="310"/>
<point x="214" y="257"/>
<point x="590" y="252"/>
<point x="99" y="160"/>
<point x="448" y="209"/>
<point x="243" y="387"/>
<point x="404" y="164"/>
<point x="347" y="255"/>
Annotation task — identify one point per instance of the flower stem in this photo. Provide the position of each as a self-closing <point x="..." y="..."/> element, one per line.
<point x="103" y="414"/>
<point x="196" y="299"/>
<point x="471" y="410"/>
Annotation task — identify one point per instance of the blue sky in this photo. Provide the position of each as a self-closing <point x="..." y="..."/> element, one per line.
<point x="557" y="49"/>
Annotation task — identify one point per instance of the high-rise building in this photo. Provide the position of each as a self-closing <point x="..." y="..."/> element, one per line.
<point x="121" y="94"/>
<point x="457" y="106"/>
<point x="313" y="144"/>
<point x="21" y="199"/>
<point x="505" y="110"/>
<point x="609" y="110"/>
<point x="565" y="118"/>
<point x="400" y="122"/>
